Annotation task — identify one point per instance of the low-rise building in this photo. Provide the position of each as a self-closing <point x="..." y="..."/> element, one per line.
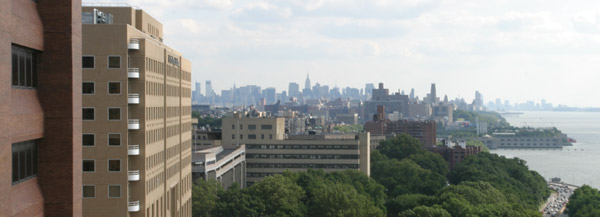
<point x="424" y="131"/>
<point x="271" y="151"/>
<point x="226" y="164"/>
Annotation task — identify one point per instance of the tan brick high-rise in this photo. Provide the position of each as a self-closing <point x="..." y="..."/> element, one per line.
<point x="136" y="117"/>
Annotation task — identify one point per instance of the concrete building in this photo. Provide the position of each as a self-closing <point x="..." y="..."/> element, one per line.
<point x="456" y="153"/>
<point x="391" y="102"/>
<point x="269" y="152"/>
<point x="293" y="89"/>
<point x="136" y="117"/>
<point x="40" y="108"/>
<point x="226" y="164"/>
<point x="424" y="131"/>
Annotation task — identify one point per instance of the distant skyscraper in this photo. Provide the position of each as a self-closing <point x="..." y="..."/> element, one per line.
<point x="369" y="88"/>
<point x="269" y="95"/>
<point x="433" y="94"/>
<point x="478" y="99"/>
<point x="294" y="89"/>
<point x="307" y="83"/>
<point x="209" y="91"/>
<point x="198" y="88"/>
<point x="412" y="93"/>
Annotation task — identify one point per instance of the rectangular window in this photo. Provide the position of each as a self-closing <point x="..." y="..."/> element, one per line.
<point x="233" y="126"/>
<point x="262" y="136"/>
<point x="241" y="127"/>
<point x="114" y="114"/>
<point x="232" y="136"/>
<point x="114" y="139"/>
<point x="114" y="191"/>
<point x="251" y="126"/>
<point x="87" y="88"/>
<point x="114" y="62"/>
<point x="114" y="87"/>
<point x="24" y="161"/>
<point x="266" y="127"/>
<point x="89" y="165"/>
<point x="87" y="62"/>
<point x="24" y="67"/>
<point x="89" y="191"/>
<point x="87" y="114"/>
<point x="114" y="165"/>
<point x="241" y="136"/>
<point x="88" y="140"/>
<point x="251" y="136"/>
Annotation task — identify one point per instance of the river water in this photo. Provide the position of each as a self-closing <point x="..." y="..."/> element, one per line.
<point x="578" y="164"/>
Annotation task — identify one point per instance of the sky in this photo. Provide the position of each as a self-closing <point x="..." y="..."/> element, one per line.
<point x="510" y="49"/>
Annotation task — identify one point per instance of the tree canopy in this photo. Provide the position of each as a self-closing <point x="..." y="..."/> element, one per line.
<point x="585" y="202"/>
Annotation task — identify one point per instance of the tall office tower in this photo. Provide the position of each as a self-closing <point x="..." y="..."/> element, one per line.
<point x="433" y="94"/>
<point x="40" y="108"/>
<point x="269" y="95"/>
<point x="198" y="88"/>
<point x="307" y="83"/>
<point x="369" y="88"/>
<point x="136" y="117"/>
<point x="412" y="93"/>
<point x="293" y="89"/>
<point x="478" y="99"/>
<point x="209" y="90"/>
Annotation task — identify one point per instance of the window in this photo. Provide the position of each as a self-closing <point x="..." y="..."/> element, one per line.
<point x="114" y="62"/>
<point x="87" y="88"/>
<point x="89" y="166"/>
<point x="114" y="139"/>
<point x="270" y="136"/>
<point x="251" y="136"/>
<point x="266" y="126"/>
<point x="87" y="114"/>
<point x="24" y="67"/>
<point x="241" y="136"/>
<point x="88" y="140"/>
<point x="262" y="136"/>
<point x="87" y="62"/>
<point x="114" y="191"/>
<point x="114" y="165"/>
<point x="114" y="87"/>
<point x="232" y="136"/>
<point x="233" y="126"/>
<point x="89" y="191"/>
<point x="24" y="161"/>
<point x="241" y="127"/>
<point x="252" y="127"/>
<point x="114" y="114"/>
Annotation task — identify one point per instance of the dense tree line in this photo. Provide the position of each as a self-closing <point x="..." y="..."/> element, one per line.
<point x="585" y="202"/>
<point x="203" y="121"/>
<point x="406" y="180"/>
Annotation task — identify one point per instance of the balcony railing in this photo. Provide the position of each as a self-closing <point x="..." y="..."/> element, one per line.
<point x="134" y="44"/>
<point x="133" y="98"/>
<point x="133" y="175"/>
<point x="133" y="150"/>
<point x="133" y="73"/>
<point x="133" y="206"/>
<point x="133" y="124"/>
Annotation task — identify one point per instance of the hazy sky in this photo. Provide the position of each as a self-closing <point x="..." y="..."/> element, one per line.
<point x="509" y="49"/>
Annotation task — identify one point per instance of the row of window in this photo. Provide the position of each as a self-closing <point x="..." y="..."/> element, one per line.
<point x="554" y="140"/>
<point x="253" y="127"/>
<point x="88" y="114"/>
<point x="24" y="67"/>
<point x="88" y="88"/>
<point x="259" y="175"/>
<point x="304" y="156"/>
<point x="89" y="139"/>
<point x="303" y="166"/>
<point x="343" y="147"/>
<point x="528" y="144"/>
<point x="114" y="165"/>
<point x="114" y="191"/>
<point x="24" y="161"/>
<point x="252" y="136"/>
<point x="89" y="62"/>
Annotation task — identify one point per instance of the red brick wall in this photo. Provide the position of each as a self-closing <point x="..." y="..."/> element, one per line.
<point x="50" y="113"/>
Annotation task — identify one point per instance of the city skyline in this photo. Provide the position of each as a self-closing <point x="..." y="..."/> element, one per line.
<point x="518" y="50"/>
<point x="527" y="104"/>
